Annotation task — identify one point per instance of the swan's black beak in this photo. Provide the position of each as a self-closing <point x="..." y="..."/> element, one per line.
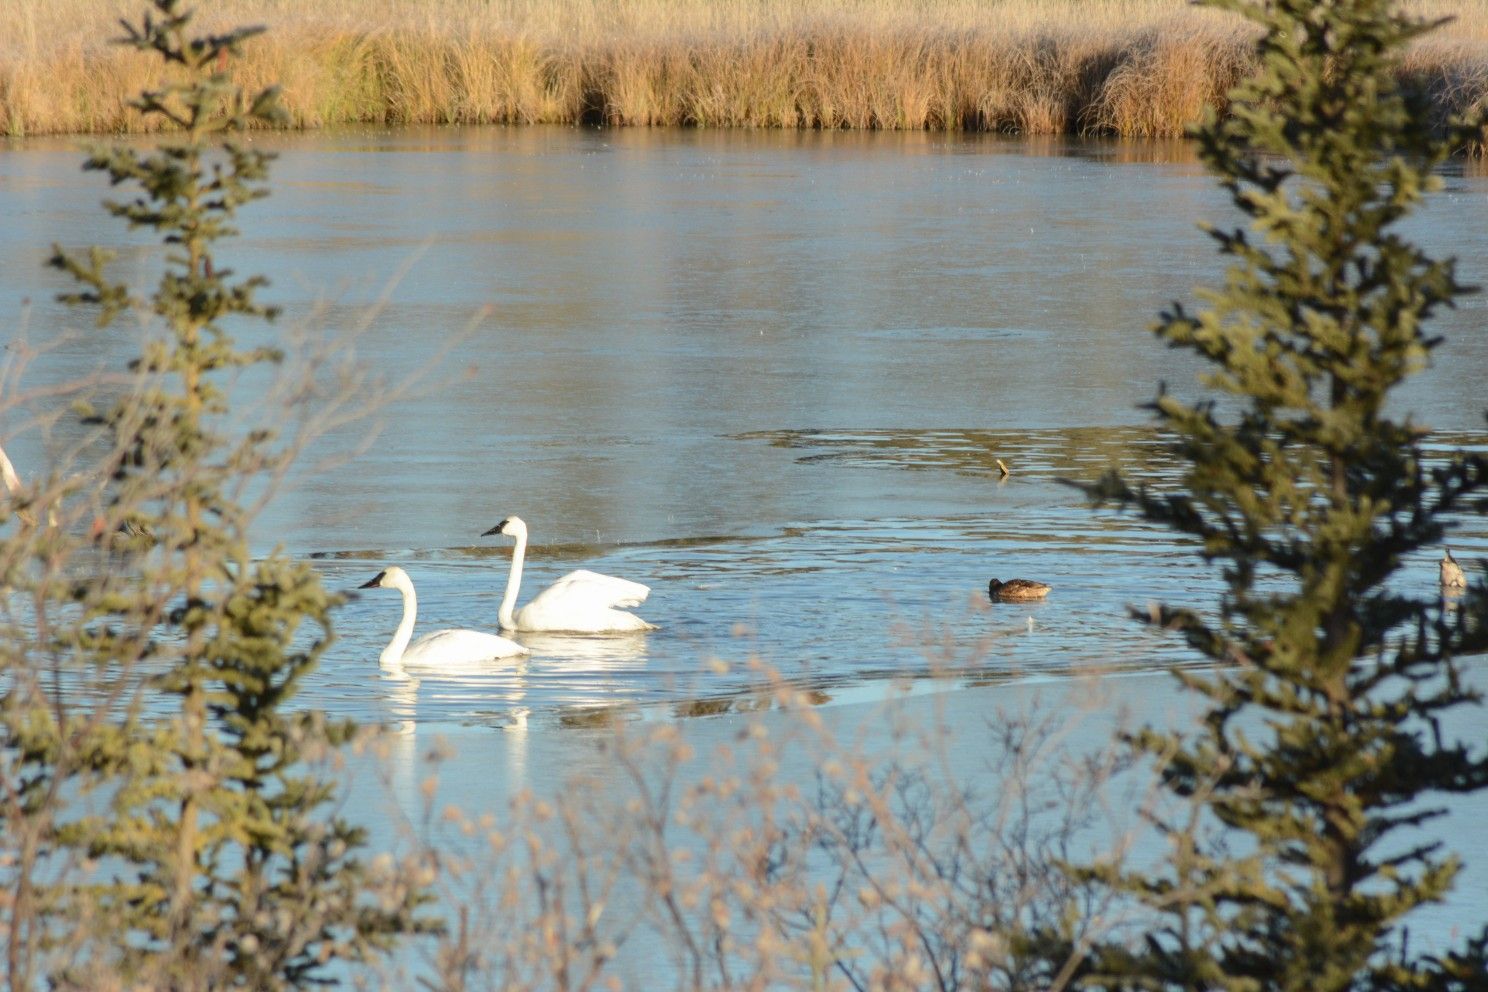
<point x="377" y="581"/>
<point x="498" y="529"/>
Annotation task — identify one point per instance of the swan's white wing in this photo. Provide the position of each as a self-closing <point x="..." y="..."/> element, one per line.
<point x="454" y="647"/>
<point x="585" y="602"/>
<point x="595" y="589"/>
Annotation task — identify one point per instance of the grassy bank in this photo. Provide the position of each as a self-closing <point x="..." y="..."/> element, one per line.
<point x="1137" y="68"/>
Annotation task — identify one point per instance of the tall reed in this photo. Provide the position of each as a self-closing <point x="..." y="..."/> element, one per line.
<point x="1136" y="68"/>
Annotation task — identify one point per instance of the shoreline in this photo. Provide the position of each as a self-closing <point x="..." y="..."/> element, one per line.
<point x="1123" y="68"/>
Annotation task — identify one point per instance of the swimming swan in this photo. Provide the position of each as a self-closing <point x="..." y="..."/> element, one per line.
<point x="581" y="602"/>
<point x="443" y="647"/>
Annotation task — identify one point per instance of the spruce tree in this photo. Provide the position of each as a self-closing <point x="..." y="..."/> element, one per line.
<point x="1321" y="750"/>
<point x="201" y="803"/>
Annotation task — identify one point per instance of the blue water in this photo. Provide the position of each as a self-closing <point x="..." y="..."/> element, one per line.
<point x="766" y="374"/>
<point x="769" y="375"/>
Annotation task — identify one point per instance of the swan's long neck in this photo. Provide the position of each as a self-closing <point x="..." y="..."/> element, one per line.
<point x="392" y="655"/>
<point x="505" y="616"/>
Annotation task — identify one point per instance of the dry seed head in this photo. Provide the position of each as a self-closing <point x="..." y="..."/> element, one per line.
<point x="720" y="914"/>
<point x="984" y="947"/>
<point x="440" y="750"/>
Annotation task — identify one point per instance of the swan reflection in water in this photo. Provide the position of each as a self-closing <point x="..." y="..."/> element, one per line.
<point x="586" y="652"/>
<point x="416" y="746"/>
<point x="560" y="672"/>
<point x="574" y="670"/>
<point x="488" y="692"/>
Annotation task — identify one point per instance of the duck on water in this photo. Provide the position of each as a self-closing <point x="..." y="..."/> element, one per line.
<point x="1016" y="590"/>
<point x="1452" y="576"/>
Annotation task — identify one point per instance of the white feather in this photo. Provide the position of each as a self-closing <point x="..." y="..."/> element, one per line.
<point x="451" y="647"/>
<point x="581" y="602"/>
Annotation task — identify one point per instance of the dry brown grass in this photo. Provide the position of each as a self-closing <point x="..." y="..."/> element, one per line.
<point x="1138" y="68"/>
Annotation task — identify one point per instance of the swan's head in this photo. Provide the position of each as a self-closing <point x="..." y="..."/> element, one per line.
<point x="388" y="578"/>
<point x="511" y="526"/>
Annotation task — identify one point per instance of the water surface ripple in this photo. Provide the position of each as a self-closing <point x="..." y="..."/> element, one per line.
<point x="768" y="374"/>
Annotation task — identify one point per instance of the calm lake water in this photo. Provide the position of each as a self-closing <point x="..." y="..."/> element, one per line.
<point x="766" y="374"/>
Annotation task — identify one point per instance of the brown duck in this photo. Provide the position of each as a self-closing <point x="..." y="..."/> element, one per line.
<point x="1016" y="590"/>
<point x="1452" y="576"/>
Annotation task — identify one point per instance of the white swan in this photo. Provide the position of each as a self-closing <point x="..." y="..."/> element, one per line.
<point x="8" y="476"/>
<point x="581" y="602"/>
<point x="441" y="648"/>
<point x="13" y="488"/>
